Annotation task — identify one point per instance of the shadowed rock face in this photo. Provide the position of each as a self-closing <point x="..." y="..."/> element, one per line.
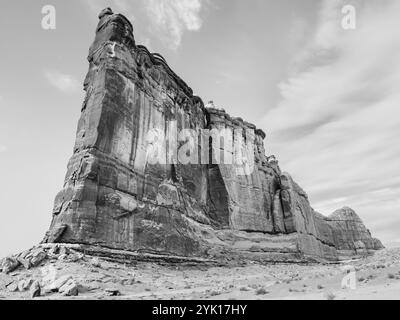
<point x="115" y="197"/>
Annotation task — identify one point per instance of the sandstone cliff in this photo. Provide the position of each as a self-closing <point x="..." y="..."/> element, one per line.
<point x="113" y="196"/>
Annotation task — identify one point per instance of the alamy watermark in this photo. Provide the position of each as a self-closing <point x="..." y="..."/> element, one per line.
<point x="349" y="21"/>
<point x="202" y="146"/>
<point x="349" y="281"/>
<point x="49" y="17"/>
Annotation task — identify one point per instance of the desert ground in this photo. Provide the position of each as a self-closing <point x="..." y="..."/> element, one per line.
<point x="88" y="277"/>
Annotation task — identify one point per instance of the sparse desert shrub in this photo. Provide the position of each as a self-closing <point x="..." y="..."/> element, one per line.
<point x="320" y="287"/>
<point x="391" y="276"/>
<point x="244" y="289"/>
<point x="361" y="279"/>
<point x="261" y="291"/>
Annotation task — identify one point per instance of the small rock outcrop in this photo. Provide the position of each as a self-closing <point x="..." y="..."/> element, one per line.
<point x="115" y="197"/>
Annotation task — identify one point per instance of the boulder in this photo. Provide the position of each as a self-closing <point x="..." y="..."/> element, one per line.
<point x="24" y="285"/>
<point x="64" y="250"/>
<point x="12" y="287"/>
<point x="74" y="256"/>
<point x="112" y="292"/>
<point x="58" y="283"/>
<point x="37" y="257"/>
<point x="70" y="288"/>
<point x="54" y="250"/>
<point x="95" y="262"/>
<point x="26" y="263"/>
<point x="35" y="290"/>
<point x="9" y="264"/>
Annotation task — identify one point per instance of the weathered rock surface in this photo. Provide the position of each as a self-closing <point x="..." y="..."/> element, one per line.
<point x="35" y="290"/>
<point x="70" y="288"/>
<point x="9" y="264"/>
<point x="114" y="197"/>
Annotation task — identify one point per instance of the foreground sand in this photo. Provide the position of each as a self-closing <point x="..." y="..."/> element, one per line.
<point x="375" y="277"/>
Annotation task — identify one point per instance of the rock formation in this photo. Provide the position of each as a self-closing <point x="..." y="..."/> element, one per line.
<point x="114" y="197"/>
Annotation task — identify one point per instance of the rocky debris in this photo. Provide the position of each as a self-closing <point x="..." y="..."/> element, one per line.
<point x="74" y="256"/>
<point x="180" y="281"/>
<point x="28" y="259"/>
<point x="54" y="251"/>
<point x="69" y="288"/>
<point x="37" y="257"/>
<point x="95" y="262"/>
<point x="12" y="287"/>
<point x="35" y="290"/>
<point x="64" y="251"/>
<point x="9" y="264"/>
<point x="114" y="195"/>
<point x="62" y="257"/>
<point x="24" y="285"/>
<point x="58" y="283"/>
<point x="129" y="280"/>
<point x="24" y="262"/>
<point x="112" y="292"/>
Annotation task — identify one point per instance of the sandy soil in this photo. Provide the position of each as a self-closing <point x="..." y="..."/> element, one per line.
<point x="375" y="277"/>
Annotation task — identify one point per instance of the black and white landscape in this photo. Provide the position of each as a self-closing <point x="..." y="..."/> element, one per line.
<point x="223" y="150"/>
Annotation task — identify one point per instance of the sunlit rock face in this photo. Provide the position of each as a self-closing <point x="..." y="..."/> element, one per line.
<point x="114" y="195"/>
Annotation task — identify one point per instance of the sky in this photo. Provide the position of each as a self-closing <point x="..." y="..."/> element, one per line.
<point x="327" y="97"/>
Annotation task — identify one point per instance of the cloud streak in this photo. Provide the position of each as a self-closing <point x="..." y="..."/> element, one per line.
<point x="173" y="18"/>
<point x="338" y="122"/>
<point x="63" y="82"/>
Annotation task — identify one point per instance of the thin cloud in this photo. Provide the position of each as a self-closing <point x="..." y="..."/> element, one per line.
<point x="173" y="18"/>
<point x="337" y="125"/>
<point x="63" y="82"/>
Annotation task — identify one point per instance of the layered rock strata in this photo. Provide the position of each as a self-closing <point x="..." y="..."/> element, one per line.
<point x="115" y="197"/>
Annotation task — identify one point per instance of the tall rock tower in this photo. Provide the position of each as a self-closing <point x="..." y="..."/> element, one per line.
<point x="114" y="196"/>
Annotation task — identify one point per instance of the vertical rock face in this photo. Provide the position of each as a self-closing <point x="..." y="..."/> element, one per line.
<point x="114" y="195"/>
